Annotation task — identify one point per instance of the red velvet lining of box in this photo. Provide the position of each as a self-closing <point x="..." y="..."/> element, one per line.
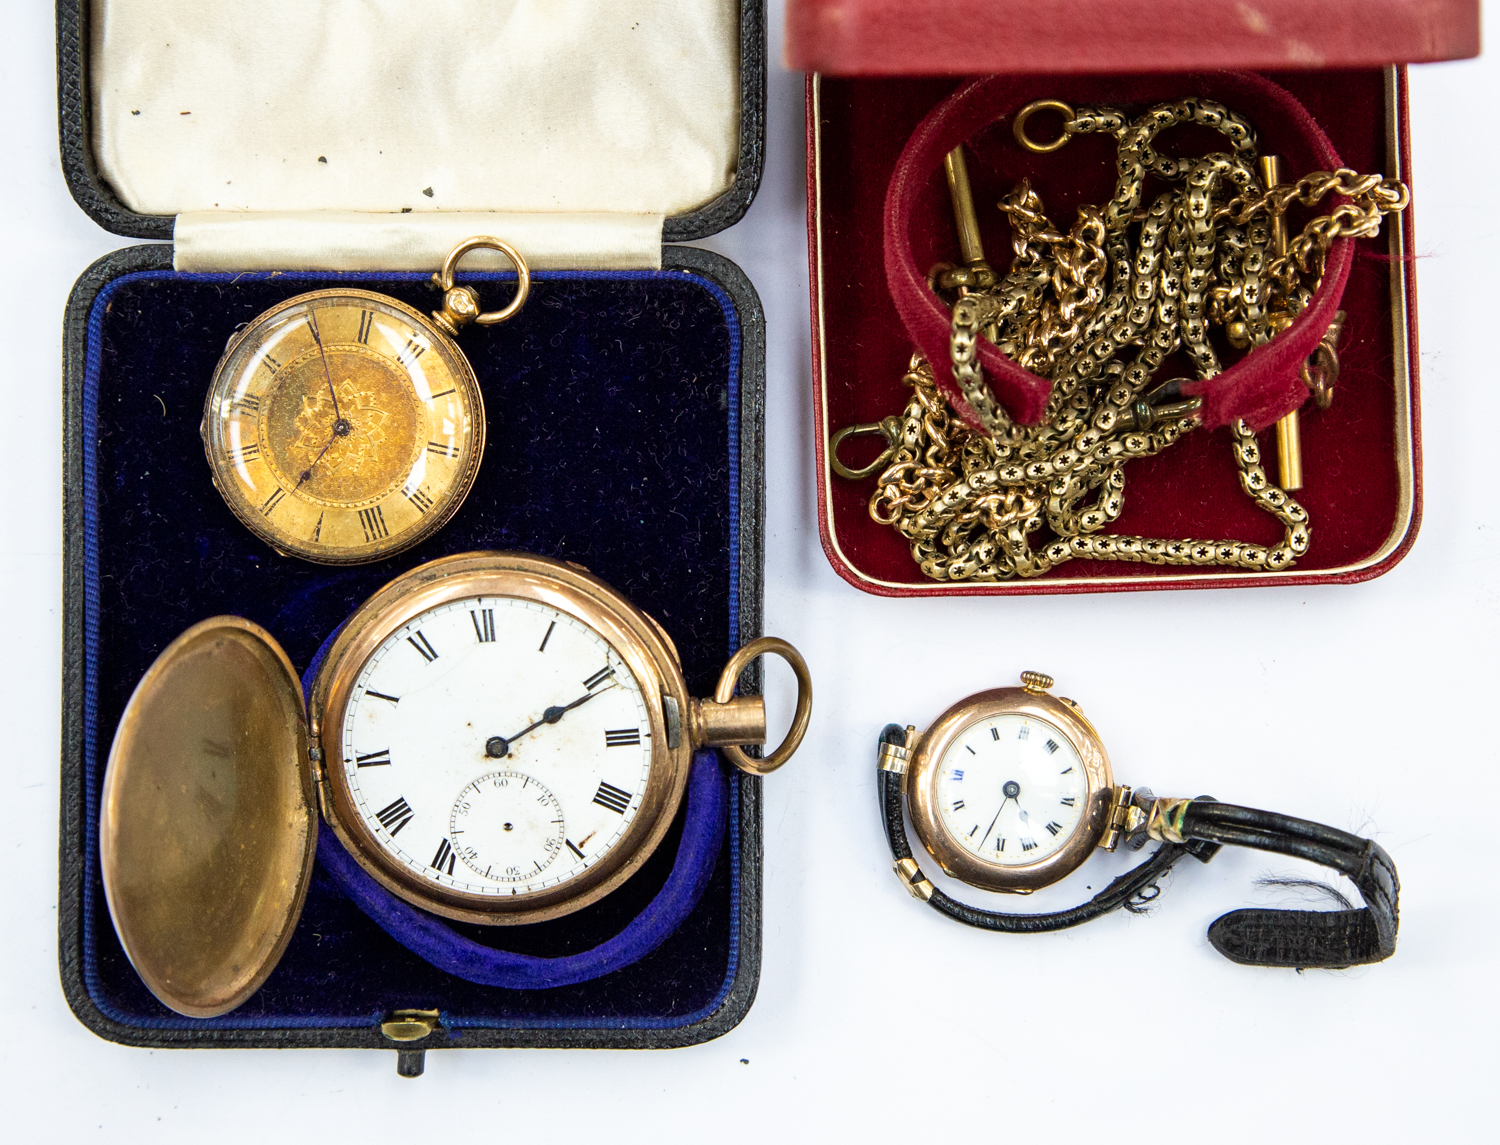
<point x="1353" y="485"/>
<point x="1260" y="388"/>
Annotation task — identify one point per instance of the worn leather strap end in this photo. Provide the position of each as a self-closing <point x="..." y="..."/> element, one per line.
<point x="1306" y="939"/>
<point x="1303" y="939"/>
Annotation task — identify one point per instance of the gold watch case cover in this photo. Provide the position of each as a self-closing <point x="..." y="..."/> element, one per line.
<point x="1010" y="789"/>
<point x="496" y="738"/>
<point x="342" y="426"/>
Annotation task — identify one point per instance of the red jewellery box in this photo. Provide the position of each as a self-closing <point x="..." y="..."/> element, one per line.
<point x="1320" y="82"/>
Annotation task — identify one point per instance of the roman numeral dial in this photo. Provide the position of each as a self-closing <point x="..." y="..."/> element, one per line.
<point x="497" y="747"/>
<point x="1011" y="790"/>
<point x="343" y="427"/>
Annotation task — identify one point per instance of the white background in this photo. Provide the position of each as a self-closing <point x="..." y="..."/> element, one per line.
<point x="1368" y="707"/>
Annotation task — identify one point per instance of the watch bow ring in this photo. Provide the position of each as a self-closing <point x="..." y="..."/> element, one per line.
<point x="1010" y="790"/>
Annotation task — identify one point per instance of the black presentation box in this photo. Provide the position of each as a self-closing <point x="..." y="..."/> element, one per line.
<point x="626" y="420"/>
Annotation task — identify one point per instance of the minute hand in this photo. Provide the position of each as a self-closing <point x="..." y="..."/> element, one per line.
<point x="551" y="716"/>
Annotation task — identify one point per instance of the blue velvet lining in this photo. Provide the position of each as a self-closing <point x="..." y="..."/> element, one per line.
<point x="438" y="943"/>
<point x="613" y="441"/>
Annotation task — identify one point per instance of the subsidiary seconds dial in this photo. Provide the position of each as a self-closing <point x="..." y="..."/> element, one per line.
<point x="496" y="746"/>
<point x="507" y="827"/>
<point x="1012" y="789"/>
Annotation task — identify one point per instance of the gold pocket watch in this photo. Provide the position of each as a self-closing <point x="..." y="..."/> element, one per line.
<point x="496" y="738"/>
<point x="1011" y="790"/>
<point x="343" y="426"/>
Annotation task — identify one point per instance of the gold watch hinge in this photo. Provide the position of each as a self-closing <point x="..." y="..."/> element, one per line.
<point x="913" y="879"/>
<point x="1124" y="818"/>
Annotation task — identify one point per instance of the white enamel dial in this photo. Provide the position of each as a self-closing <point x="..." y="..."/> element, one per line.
<point x="496" y="746"/>
<point x="1012" y="789"/>
<point x="507" y="827"/>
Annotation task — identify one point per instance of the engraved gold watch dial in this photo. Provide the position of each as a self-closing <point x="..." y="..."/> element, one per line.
<point x="342" y="427"/>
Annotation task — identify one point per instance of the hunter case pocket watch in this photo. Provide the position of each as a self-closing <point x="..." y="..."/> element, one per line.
<point x="496" y="738"/>
<point x="1011" y="790"/>
<point x="343" y="426"/>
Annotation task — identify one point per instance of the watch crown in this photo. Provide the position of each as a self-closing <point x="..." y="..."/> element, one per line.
<point x="1036" y="682"/>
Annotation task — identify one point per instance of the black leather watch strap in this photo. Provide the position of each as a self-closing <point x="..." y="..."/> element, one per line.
<point x="1125" y="888"/>
<point x="1302" y="938"/>
<point x="1252" y="937"/>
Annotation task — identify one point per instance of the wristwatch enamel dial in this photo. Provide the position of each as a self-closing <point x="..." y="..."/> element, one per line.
<point x="343" y="426"/>
<point x="1011" y="790"/>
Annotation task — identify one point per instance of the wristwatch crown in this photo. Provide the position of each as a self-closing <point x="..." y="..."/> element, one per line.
<point x="1036" y="682"/>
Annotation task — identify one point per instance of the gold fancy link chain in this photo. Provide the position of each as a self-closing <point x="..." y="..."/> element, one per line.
<point x="1097" y="311"/>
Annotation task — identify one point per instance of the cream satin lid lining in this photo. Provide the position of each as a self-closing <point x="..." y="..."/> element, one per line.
<point x="347" y="110"/>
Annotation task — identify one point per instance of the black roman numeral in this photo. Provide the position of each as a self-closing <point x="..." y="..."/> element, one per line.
<point x="484" y="624"/>
<point x="612" y="797"/>
<point x="994" y="733"/>
<point x="1028" y="844"/>
<point x="444" y="393"/>
<point x="318" y="529"/>
<point x="572" y="846"/>
<point x="395" y="816"/>
<point x="382" y="696"/>
<point x="249" y="452"/>
<point x="958" y="805"/>
<point x="441" y="448"/>
<point x="543" y="646"/>
<point x="1024" y="733"/>
<point x="598" y="677"/>
<point x="270" y="364"/>
<point x="622" y="737"/>
<point x="958" y="775"/>
<point x="1068" y="801"/>
<point x="272" y="501"/>
<point x="367" y="320"/>
<point x="1051" y="746"/>
<point x="976" y="828"/>
<point x="420" y="500"/>
<point x="379" y="758"/>
<point x="373" y="521"/>
<point x="423" y="646"/>
<point x="1054" y="828"/>
<point x="413" y="349"/>
<point x="247" y="402"/>
<point x="1065" y="771"/>
<point x="444" y="855"/>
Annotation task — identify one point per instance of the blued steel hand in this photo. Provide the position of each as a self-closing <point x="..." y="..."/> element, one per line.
<point x="312" y="324"/>
<point x="1010" y="789"/>
<point x="996" y="819"/>
<point x="340" y="426"/>
<point x="498" y="747"/>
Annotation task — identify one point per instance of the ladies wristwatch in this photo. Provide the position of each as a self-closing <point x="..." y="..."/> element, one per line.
<point x="1011" y="789"/>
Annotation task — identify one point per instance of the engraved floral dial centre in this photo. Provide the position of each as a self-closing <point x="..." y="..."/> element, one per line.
<point x="343" y="427"/>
